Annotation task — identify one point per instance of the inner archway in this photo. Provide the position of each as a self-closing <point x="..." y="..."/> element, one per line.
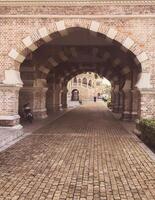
<point x="75" y="95"/>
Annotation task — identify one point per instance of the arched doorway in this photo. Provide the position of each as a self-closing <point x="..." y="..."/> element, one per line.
<point x="75" y="95"/>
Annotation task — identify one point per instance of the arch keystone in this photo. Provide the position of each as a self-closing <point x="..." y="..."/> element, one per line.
<point x="28" y="42"/>
<point x="128" y="43"/>
<point x="94" y="26"/>
<point x="16" y="56"/>
<point x="44" y="34"/>
<point x="112" y="33"/>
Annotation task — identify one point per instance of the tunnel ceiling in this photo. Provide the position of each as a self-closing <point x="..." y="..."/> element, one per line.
<point x="80" y="51"/>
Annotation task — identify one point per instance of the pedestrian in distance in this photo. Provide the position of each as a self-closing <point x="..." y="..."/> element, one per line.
<point x="94" y="99"/>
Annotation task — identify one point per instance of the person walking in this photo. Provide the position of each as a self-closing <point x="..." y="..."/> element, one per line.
<point x="94" y="99"/>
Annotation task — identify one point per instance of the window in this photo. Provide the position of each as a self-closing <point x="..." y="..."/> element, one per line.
<point x="84" y="81"/>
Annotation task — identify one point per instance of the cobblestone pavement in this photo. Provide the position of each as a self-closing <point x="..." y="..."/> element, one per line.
<point x="86" y="154"/>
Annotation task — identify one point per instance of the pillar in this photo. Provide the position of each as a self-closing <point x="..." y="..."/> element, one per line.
<point x="127" y="106"/>
<point x="121" y="101"/>
<point x="9" y="93"/>
<point x="9" y="116"/>
<point x="135" y="103"/>
<point x="49" y="100"/>
<point x="147" y="96"/>
<point x="112" y="98"/>
<point x="54" y="100"/>
<point x="64" y="98"/>
<point x="115" y="107"/>
<point x="147" y="103"/>
<point x="36" y="96"/>
<point x="56" y="97"/>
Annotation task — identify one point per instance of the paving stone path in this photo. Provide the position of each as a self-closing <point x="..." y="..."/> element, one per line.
<point x="84" y="155"/>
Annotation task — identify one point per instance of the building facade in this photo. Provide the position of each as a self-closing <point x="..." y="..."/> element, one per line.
<point x="44" y="44"/>
<point x="86" y="86"/>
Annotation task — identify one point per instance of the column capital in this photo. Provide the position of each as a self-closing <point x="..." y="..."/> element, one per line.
<point x="10" y="86"/>
<point x="40" y="83"/>
<point x="12" y="77"/>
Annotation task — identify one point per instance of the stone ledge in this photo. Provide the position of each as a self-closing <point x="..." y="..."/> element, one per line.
<point x="76" y="2"/>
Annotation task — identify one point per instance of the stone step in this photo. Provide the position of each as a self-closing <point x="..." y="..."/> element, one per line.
<point x="8" y="135"/>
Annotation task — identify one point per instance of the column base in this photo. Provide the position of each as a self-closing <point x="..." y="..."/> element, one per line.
<point x="9" y="121"/>
<point x="126" y="116"/>
<point x="134" y="116"/>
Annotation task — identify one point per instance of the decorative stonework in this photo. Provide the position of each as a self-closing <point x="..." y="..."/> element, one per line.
<point x="63" y="26"/>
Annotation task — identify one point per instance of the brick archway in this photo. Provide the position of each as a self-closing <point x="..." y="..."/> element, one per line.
<point x="30" y="43"/>
<point x="43" y="35"/>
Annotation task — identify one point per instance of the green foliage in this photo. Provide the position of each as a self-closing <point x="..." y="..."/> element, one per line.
<point x="147" y="128"/>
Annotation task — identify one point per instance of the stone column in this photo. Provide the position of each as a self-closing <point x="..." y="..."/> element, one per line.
<point x="147" y="103"/>
<point x="9" y="106"/>
<point x="112" y="98"/>
<point x="36" y="96"/>
<point x="64" y="98"/>
<point x="9" y="96"/>
<point x="127" y="105"/>
<point x="127" y="101"/>
<point x="116" y="99"/>
<point x="49" y="100"/>
<point x="121" y="101"/>
<point x="56" y="88"/>
<point x="135" y="103"/>
<point x="116" y="103"/>
<point x="147" y="96"/>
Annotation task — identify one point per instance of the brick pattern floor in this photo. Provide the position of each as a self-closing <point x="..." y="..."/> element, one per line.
<point x="84" y="155"/>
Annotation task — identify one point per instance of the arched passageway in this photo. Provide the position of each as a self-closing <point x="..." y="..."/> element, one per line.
<point x="47" y="70"/>
<point x="50" y="56"/>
